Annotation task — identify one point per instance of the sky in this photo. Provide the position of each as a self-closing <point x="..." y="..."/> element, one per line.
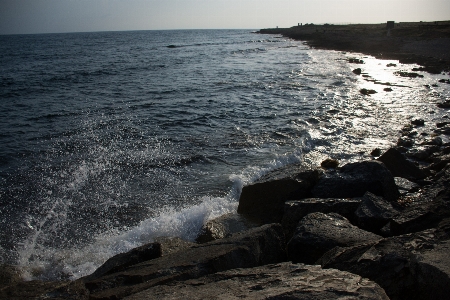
<point x="51" y="16"/>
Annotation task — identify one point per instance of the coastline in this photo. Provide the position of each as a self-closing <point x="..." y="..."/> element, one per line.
<point x="422" y="43"/>
<point x="144" y="271"/>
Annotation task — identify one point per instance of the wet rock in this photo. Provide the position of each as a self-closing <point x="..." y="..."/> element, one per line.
<point x="318" y="233"/>
<point x="376" y="152"/>
<point x="387" y="89"/>
<point x="391" y="65"/>
<point x="357" y="71"/>
<point x="445" y="104"/>
<point x="422" y="152"/>
<point x="223" y="226"/>
<point x="405" y="266"/>
<point x="355" y="179"/>
<point x="255" y="247"/>
<point x="329" y="163"/>
<point x="276" y="281"/>
<point x="355" y="61"/>
<point x="374" y="213"/>
<point x="405" y="142"/>
<point x="121" y="261"/>
<point x="9" y="275"/>
<point x="294" y="211"/>
<point x="418" y="122"/>
<point x="435" y="141"/>
<point x="405" y="186"/>
<point x="399" y="166"/>
<point x="367" y="92"/>
<point x="263" y="201"/>
<point x="408" y="74"/>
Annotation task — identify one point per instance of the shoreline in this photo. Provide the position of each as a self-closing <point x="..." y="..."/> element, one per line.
<point x="422" y="43"/>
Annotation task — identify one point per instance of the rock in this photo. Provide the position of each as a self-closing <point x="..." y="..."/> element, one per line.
<point x="391" y="65"/>
<point x="355" y="179"/>
<point x="318" y="233"/>
<point x="408" y="74"/>
<point x="405" y="142"/>
<point x="330" y="163"/>
<point x="355" y="61"/>
<point x="387" y="89"/>
<point x="367" y="92"/>
<point x="374" y="213"/>
<point x="9" y="275"/>
<point x="222" y="227"/>
<point x="294" y="211"/>
<point x="263" y="201"/>
<point x="435" y="141"/>
<point x="276" y="281"/>
<point x="376" y="152"/>
<point x="255" y="247"/>
<point x="404" y="266"/>
<point x="422" y="152"/>
<point x="405" y="186"/>
<point x="149" y="251"/>
<point x="357" y="71"/>
<point x="418" y="122"/>
<point x="445" y="104"/>
<point x="399" y="166"/>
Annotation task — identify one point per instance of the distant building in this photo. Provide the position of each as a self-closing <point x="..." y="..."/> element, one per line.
<point x="390" y="24"/>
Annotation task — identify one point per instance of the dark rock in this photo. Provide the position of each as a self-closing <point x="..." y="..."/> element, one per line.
<point x="445" y="104"/>
<point x="374" y="213"/>
<point x="222" y="227"/>
<point x="367" y="92"/>
<point x="405" y="186"/>
<point x="405" y="266"/>
<point x="442" y="124"/>
<point x="422" y="152"/>
<point x="329" y="163"/>
<point x="399" y="166"/>
<point x="255" y="247"/>
<point x="418" y="122"/>
<point x="9" y="275"/>
<point x="405" y="142"/>
<point x="444" y="81"/>
<point x="408" y="74"/>
<point x="436" y="141"/>
<point x="391" y="65"/>
<point x="357" y="71"/>
<point x="387" y="89"/>
<point x="280" y="281"/>
<point x="294" y="211"/>
<point x="376" y="152"/>
<point x="355" y="179"/>
<point x="162" y="246"/>
<point x="318" y="233"/>
<point x="355" y="61"/>
<point x="263" y="201"/>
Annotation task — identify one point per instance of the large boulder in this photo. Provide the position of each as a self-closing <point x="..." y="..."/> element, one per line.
<point x="295" y="210"/>
<point x="318" y="233"/>
<point x="399" y="166"/>
<point x="374" y="213"/>
<point x="255" y="247"/>
<point x="413" y="266"/>
<point x="355" y="179"/>
<point x="223" y="226"/>
<point x="280" y="281"/>
<point x="262" y="202"/>
<point x="162" y="246"/>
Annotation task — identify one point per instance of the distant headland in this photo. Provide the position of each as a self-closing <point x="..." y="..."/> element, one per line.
<point x="423" y="43"/>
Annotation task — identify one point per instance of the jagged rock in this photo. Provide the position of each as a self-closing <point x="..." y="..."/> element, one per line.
<point x="405" y="266"/>
<point x="374" y="213"/>
<point x="355" y="179"/>
<point x="222" y="227"/>
<point x="376" y="152"/>
<point x="399" y="166"/>
<point x="318" y="233"/>
<point x="329" y="163"/>
<point x="121" y="261"/>
<point x="255" y="247"/>
<point x="294" y="211"/>
<point x="280" y="281"/>
<point x="357" y="71"/>
<point x="262" y="202"/>
<point x="405" y="186"/>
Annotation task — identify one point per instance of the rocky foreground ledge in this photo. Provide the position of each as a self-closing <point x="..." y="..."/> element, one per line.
<point x="422" y="43"/>
<point x="376" y="229"/>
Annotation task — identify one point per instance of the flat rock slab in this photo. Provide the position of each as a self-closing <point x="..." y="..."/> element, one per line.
<point x="279" y="281"/>
<point x="294" y="211"/>
<point x="255" y="247"/>
<point x="412" y="266"/>
<point x="318" y="233"/>
<point x="355" y="179"/>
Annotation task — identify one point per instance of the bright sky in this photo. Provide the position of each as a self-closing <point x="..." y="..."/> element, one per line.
<point x="47" y="16"/>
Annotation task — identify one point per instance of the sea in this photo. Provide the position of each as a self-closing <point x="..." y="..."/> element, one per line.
<point x="111" y="139"/>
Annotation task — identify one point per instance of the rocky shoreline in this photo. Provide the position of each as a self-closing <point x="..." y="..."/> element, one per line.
<point x="375" y="229"/>
<point x="422" y="43"/>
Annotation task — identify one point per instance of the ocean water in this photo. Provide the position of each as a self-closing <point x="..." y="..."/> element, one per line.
<point x="110" y="139"/>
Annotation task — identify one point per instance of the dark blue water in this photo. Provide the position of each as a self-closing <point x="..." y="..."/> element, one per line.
<point x="110" y="139"/>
